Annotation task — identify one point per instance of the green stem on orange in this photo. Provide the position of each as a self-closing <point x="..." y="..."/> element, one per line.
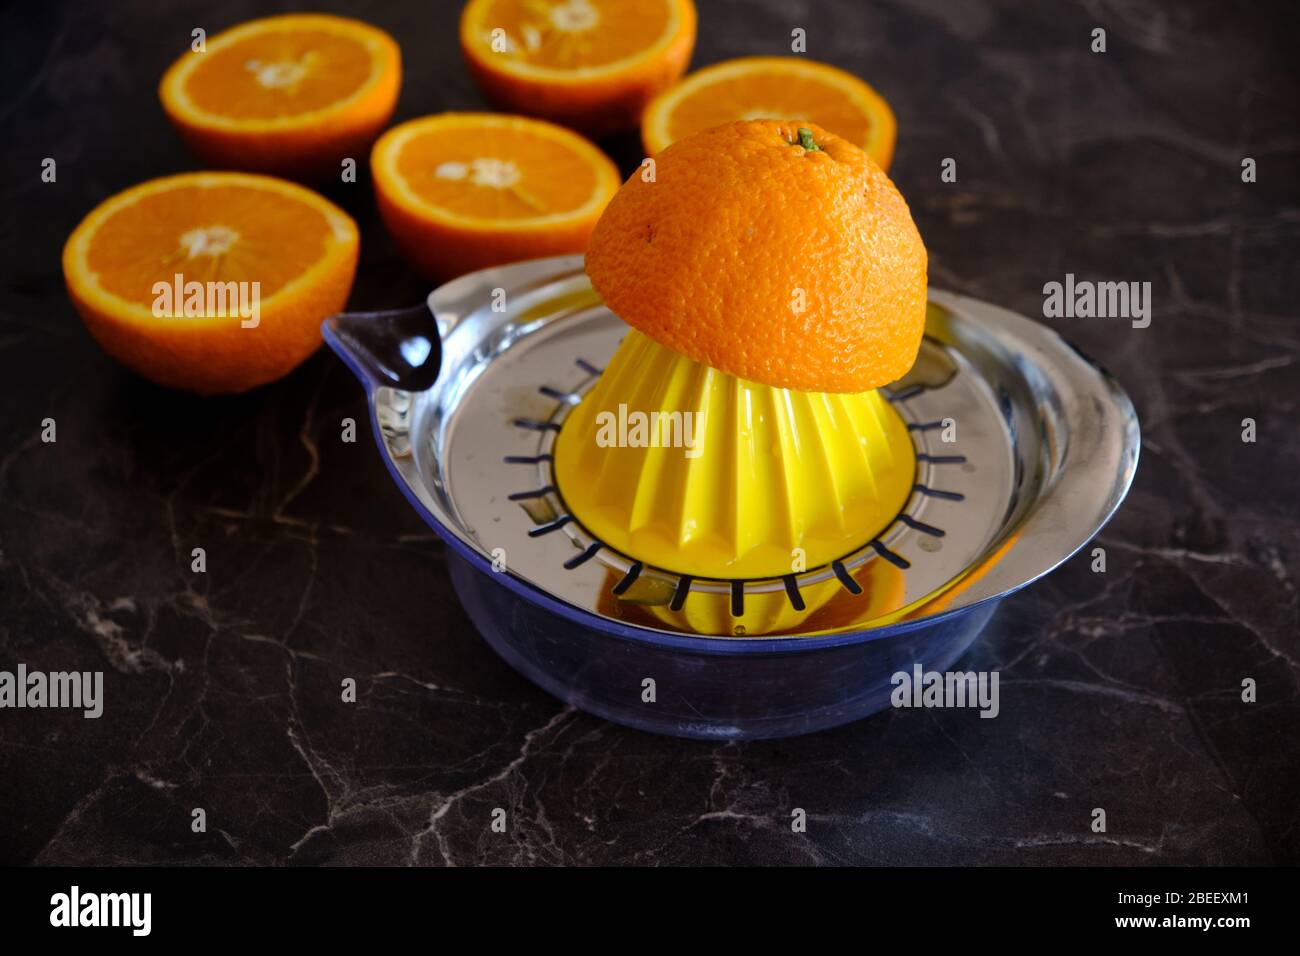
<point x="806" y="140"/>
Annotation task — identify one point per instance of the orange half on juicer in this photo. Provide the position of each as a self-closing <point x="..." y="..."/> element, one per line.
<point x="773" y="280"/>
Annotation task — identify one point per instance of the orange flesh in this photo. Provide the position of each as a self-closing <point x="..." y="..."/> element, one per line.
<point x="301" y="70"/>
<point x="614" y="30"/>
<point x="539" y="176"/>
<point x="278" y="239"/>
<point x="780" y="96"/>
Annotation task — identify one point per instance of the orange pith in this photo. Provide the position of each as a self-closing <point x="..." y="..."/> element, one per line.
<point x="748" y="252"/>
<point x="294" y="94"/>
<point x="148" y="241"/>
<point x="462" y="191"/>
<point x="568" y="35"/>
<point x="279" y="73"/>
<point x="782" y="88"/>
<point x="218" y="228"/>
<point x="470" y="178"/>
<point x="590" y="64"/>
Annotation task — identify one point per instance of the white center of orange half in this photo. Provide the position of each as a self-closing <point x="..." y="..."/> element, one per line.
<point x="209" y="241"/>
<point x="573" y="16"/>
<point x="486" y="171"/>
<point x="281" y="74"/>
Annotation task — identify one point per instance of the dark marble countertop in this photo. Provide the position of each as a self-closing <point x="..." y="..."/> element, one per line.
<point x="1119" y="690"/>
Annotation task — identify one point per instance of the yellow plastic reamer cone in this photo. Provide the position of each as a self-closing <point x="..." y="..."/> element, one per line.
<point x="698" y="472"/>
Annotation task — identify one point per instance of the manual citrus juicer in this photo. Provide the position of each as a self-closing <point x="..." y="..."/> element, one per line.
<point x="765" y="565"/>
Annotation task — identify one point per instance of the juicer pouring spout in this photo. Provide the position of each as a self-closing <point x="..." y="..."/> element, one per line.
<point x="398" y="348"/>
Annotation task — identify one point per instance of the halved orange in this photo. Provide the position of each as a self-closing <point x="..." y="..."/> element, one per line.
<point x="462" y="191"/>
<point x="589" y="64"/>
<point x="293" y="95"/>
<point x="773" y="87"/>
<point x="211" y="282"/>
<point x="776" y="252"/>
